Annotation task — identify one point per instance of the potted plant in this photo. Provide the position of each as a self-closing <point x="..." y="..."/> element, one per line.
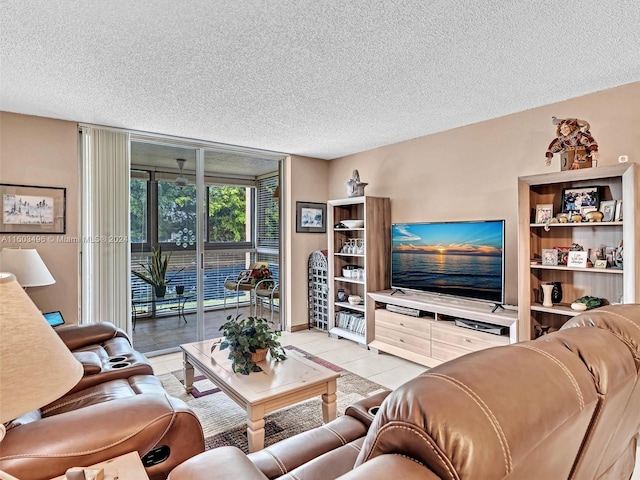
<point x="262" y="277"/>
<point x="155" y="272"/>
<point x="248" y="341"/>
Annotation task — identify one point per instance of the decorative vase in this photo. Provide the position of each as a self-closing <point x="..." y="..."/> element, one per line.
<point x="160" y="290"/>
<point x="556" y="294"/>
<point x="259" y="355"/>
<point x="342" y="295"/>
<point x="547" y="295"/>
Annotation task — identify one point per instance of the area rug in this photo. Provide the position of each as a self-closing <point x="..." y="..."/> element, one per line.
<point x="224" y="422"/>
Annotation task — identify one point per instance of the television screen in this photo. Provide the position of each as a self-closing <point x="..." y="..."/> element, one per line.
<point x="465" y="259"/>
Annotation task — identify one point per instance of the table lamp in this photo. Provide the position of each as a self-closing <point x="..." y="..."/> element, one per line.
<point x="26" y="265"/>
<point x="36" y="367"/>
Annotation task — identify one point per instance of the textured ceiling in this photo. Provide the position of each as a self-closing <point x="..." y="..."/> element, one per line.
<point x="322" y="78"/>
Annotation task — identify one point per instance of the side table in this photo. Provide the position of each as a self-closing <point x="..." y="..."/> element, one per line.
<point x="124" y="467"/>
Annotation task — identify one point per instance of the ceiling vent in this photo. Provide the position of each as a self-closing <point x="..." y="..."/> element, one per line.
<point x="180" y="180"/>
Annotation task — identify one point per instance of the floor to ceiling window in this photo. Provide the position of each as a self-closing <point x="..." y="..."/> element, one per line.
<point x="240" y="225"/>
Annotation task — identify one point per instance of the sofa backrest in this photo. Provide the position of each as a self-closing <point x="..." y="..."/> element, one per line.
<point x="526" y="409"/>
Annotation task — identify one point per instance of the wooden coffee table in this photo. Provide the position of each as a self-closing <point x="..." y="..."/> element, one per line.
<point x="280" y="384"/>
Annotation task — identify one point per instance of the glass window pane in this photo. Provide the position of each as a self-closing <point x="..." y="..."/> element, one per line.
<point x="176" y="212"/>
<point x="138" y="210"/>
<point x="228" y="215"/>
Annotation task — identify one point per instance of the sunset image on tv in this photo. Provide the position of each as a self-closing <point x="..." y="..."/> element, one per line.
<point x="453" y="258"/>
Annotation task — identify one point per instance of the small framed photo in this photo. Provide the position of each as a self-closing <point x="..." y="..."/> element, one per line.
<point x="549" y="256"/>
<point x="576" y="198"/>
<point x="311" y="217"/>
<point x="577" y="259"/>
<point x="32" y="209"/>
<point x="563" y="253"/>
<point x="544" y="212"/>
<point x="600" y="264"/>
<point x="618" y="215"/>
<point x="608" y="208"/>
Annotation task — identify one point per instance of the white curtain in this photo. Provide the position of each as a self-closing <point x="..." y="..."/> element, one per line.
<point x="105" y="283"/>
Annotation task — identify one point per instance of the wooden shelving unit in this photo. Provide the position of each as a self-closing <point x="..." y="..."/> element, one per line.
<point x="619" y="182"/>
<point x="376" y="238"/>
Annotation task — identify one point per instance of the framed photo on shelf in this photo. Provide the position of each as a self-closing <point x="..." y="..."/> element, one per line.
<point x="32" y="209"/>
<point x="618" y="215"/>
<point x="608" y="208"/>
<point x="577" y="259"/>
<point x="311" y="217"/>
<point x="563" y="252"/>
<point x="544" y="212"/>
<point x="575" y="198"/>
<point x="549" y="256"/>
<point x="600" y="264"/>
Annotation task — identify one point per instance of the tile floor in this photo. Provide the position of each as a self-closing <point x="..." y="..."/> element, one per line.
<point x="386" y="370"/>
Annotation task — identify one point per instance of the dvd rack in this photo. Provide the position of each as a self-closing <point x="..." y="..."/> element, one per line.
<point x="354" y="322"/>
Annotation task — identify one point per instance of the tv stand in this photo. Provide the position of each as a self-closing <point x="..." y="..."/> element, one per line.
<point x="433" y="337"/>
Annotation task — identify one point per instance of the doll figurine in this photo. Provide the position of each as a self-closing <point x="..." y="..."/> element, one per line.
<point x="573" y="134"/>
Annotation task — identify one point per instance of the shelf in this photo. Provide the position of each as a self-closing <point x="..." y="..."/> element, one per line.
<point x="357" y="255"/>
<point x="578" y="225"/>
<point x="348" y="334"/>
<point x="359" y="308"/>
<point x="349" y="280"/>
<point x="559" y="309"/>
<point x="614" y="271"/>
<point x="360" y="229"/>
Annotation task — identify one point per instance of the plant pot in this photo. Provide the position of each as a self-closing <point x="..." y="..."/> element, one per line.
<point x="259" y="355"/>
<point x="179" y="289"/>
<point x="160" y="291"/>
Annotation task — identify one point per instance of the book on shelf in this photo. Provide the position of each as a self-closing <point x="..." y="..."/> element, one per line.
<point x="353" y="322"/>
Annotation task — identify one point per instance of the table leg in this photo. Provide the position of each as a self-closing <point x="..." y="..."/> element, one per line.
<point x="255" y="427"/>
<point x="329" y="407"/>
<point x="188" y="373"/>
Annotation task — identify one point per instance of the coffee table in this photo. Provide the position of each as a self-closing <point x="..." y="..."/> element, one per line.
<point x="279" y="385"/>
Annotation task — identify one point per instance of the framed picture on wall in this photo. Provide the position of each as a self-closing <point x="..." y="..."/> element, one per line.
<point x="32" y="209"/>
<point x="311" y="217"/>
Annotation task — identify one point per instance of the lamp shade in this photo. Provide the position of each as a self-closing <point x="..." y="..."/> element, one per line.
<point x="26" y="265"/>
<point x="36" y="367"/>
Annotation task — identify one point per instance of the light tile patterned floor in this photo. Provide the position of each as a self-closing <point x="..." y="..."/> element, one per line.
<point x="386" y="370"/>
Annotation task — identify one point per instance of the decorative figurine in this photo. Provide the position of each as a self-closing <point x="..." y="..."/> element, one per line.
<point x="577" y="148"/>
<point x="355" y="188"/>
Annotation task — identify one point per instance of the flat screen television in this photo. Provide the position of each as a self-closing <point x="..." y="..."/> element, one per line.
<point x="463" y="259"/>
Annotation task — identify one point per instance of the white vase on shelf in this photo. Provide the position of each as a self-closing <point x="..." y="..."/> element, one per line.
<point x="547" y="294"/>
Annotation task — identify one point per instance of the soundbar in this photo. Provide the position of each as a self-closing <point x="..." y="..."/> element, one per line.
<point x="414" y="312"/>
<point x="481" y="326"/>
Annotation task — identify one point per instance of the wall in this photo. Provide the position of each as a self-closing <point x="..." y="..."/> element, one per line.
<point x="470" y="173"/>
<point x="307" y="181"/>
<point x="44" y="152"/>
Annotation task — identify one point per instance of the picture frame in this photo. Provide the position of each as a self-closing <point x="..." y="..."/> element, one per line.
<point x="608" y="208"/>
<point x="544" y="212"/>
<point x="311" y="217"/>
<point x="600" y="264"/>
<point x="549" y="256"/>
<point x="618" y="215"/>
<point x="563" y="252"/>
<point x="575" y="198"/>
<point x="577" y="259"/>
<point x="32" y="209"/>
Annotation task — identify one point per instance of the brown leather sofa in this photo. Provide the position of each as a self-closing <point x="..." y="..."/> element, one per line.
<point x="116" y="408"/>
<point x="564" y="406"/>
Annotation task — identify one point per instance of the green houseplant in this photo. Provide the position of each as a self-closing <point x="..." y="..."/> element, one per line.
<point x="155" y="271"/>
<point x="248" y="341"/>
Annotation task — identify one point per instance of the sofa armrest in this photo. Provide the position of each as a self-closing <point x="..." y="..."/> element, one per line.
<point x="78" y="336"/>
<point x="86" y="436"/>
<point x="388" y="466"/>
<point x="220" y="464"/>
<point x="361" y="410"/>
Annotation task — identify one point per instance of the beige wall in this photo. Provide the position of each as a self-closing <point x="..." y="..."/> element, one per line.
<point x="307" y="180"/>
<point x="462" y="174"/>
<point x="470" y="173"/>
<point x="44" y="152"/>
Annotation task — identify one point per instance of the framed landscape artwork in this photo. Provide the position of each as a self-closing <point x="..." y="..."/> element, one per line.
<point x="311" y="217"/>
<point x="32" y="209"/>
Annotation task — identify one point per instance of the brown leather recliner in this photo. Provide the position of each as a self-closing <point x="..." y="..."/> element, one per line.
<point x="109" y="413"/>
<point x="566" y="405"/>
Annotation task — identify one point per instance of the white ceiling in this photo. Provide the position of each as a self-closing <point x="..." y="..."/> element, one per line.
<point x="323" y="78"/>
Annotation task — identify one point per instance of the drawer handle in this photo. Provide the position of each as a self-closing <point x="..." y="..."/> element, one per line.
<point x="402" y="324"/>
<point x="467" y="340"/>
<point x="401" y="340"/>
